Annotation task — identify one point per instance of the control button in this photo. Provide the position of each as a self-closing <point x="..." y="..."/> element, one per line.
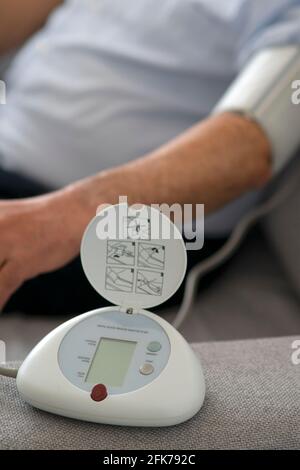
<point x="146" y="369"/>
<point x="154" y="346"/>
<point x="99" y="392"/>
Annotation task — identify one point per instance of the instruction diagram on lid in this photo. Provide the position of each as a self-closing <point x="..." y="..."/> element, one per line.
<point x="149" y="282"/>
<point x="151" y="255"/>
<point x="119" y="279"/>
<point x="135" y="266"/>
<point x="120" y="253"/>
<point x="138" y="228"/>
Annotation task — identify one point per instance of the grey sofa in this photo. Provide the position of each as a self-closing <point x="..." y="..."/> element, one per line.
<point x="253" y="398"/>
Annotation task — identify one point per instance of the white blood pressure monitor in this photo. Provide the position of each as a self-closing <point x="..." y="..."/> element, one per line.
<point x="122" y="364"/>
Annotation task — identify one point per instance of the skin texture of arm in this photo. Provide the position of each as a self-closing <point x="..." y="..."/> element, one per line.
<point x="213" y="163"/>
<point x="19" y="19"/>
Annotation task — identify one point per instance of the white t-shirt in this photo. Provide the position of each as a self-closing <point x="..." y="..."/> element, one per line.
<point x="105" y="82"/>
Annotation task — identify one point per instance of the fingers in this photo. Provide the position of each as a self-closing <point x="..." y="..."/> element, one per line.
<point x="10" y="281"/>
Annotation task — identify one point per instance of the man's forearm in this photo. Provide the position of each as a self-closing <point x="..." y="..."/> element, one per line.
<point x="19" y="19"/>
<point x="213" y="163"/>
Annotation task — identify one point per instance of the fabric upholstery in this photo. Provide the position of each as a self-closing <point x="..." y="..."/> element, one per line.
<point x="251" y="298"/>
<point x="282" y="226"/>
<point x="253" y="401"/>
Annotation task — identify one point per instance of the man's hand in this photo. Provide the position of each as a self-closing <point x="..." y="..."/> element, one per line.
<point x="37" y="235"/>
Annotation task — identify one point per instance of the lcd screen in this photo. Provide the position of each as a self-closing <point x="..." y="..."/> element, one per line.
<point x="111" y="362"/>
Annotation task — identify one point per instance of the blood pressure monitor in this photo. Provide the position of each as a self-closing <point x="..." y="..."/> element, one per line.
<point x="121" y="364"/>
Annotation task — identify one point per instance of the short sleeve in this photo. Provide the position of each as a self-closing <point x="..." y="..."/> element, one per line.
<point x="264" y="26"/>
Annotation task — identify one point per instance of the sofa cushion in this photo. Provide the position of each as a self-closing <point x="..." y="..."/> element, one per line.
<point x="282" y="226"/>
<point x="252" y="402"/>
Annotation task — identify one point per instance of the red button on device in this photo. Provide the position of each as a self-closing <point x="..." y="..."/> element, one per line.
<point x="99" y="392"/>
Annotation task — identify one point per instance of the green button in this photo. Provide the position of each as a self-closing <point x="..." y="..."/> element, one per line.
<point x="154" y="346"/>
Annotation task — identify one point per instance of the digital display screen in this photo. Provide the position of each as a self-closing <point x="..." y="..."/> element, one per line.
<point x="111" y="362"/>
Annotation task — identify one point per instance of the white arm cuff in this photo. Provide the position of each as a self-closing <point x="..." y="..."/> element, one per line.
<point x="263" y="92"/>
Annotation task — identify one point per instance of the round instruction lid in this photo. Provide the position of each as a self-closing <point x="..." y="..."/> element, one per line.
<point x="133" y="256"/>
